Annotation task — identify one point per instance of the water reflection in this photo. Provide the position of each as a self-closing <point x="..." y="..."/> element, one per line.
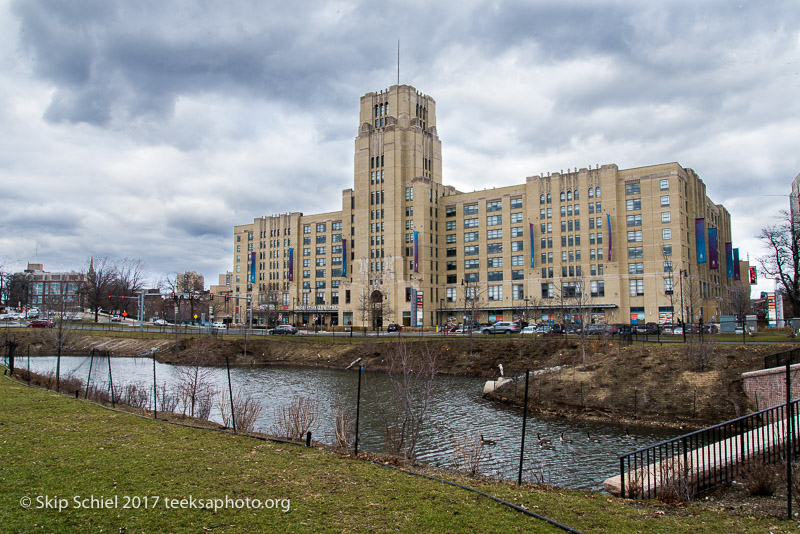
<point x="456" y="406"/>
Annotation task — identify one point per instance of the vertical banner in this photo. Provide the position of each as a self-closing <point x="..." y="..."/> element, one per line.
<point x="700" y="238"/>
<point x="413" y="308"/>
<point x="416" y="252"/>
<point x="291" y="265"/>
<point x="344" y="258"/>
<point x="736" y="273"/>
<point x="713" y="253"/>
<point x="252" y="267"/>
<point x="420" y="298"/>
<point x="532" y="247"/>
<point x="608" y="225"/>
<point x="729" y="260"/>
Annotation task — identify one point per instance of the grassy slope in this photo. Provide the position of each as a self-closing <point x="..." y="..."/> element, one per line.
<point x="57" y="446"/>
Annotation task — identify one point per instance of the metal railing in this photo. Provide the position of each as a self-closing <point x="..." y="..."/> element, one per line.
<point x="700" y="461"/>
<point x="791" y="357"/>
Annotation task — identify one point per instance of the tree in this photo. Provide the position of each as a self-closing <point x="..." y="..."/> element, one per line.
<point x="578" y="299"/>
<point x="100" y="275"/>
<point x="65" y="306"/>
<point x="782" y="260"/>
<point x="739" y="299"/>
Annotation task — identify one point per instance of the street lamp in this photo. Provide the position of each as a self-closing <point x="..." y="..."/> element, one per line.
<point x="681" y="274"/>
<point x="525" y="312"/>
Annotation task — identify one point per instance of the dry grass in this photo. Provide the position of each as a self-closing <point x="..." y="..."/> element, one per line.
<point x="297" y="419"/>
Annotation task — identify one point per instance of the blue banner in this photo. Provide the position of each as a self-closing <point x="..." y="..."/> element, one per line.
<point x="729" y="259"/>
<point x="533" y="249"/>
<point x="344" y="258"/>
<point x="291" y="265"/>
<point x="736" y="273"/>
<point x="700" y="238"/>
<point x="713" y="253"/>
<point x="608" y="224"/>
<point x="252" y="267"/>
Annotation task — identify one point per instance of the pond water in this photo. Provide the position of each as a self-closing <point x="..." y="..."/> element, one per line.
<point x="456" y="407"/>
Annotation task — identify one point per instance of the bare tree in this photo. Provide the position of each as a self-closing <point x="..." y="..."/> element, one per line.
<point x="101" y="273"/>
<point x="782" y="261"/>
<point x="577" y="297"/>
<point x="196" y="388"/>
<point x="63" y="304"/>
<point x="411" y="373"/>
<point x="739" y="299"/>
<point x="130" y="275"/>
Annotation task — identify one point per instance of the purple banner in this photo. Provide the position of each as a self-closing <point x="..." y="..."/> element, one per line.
<point x="416" y="252"/>
<point x="608" y="224"/>
<point x="729" y="259"/>
<point x="736" y="273"/>
<point x="700" y="239"/>
<point x="291" y="265"/>
<point x="713" y="253"/>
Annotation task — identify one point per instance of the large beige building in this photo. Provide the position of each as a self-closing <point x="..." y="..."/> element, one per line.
<point x="585" y="245"/>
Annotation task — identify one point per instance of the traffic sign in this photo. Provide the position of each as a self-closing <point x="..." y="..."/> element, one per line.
<point x="124" y="314"/>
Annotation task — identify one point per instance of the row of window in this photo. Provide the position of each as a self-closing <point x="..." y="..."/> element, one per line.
<point x="634" y="188"/>
<point x="491" y="205"/>
<point x="635" y="204"/>
<point x="321" y="227"/>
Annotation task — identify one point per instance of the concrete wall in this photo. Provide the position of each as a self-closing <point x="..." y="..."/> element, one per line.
<point x="767" y="388"/>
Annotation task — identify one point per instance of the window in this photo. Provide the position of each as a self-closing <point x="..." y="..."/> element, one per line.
<point x="306" y="274"/>
<point x="450" y="294"/>
<point x="549" y="213"/>
<point x="591" y="223"/>
<point x="668" y="284"/>
<point x="633" y="204"/>
<point x="597" y="192"/>
<point x="591" y="207"/>
<point x="599" y="223"/>
<point x="321" y="239"/>
<point x="570" y="289"/>
<point x="306" y="240"/>
<point x="632" y="189"/>
<point x="472" y="250"/>
<point x="470" y="236"/>
<point x="563" y="211"/>
<point x="493" y="220"/>
<point x="541" y="199"/>
<point x="320" y="228"/>
<point x="635" y="252"/>
<point x="667" y="266"/>
<point x="665" y="217"/>
<point x="472" y="264"/>
<point x="549" y="198"/>
<point x="494" y="276"/>
<point x="306" y="252"/>
<point x="451" y="238"/>
<point x="306" y="263"/>
<point x="320" y="273"/>
<point x="664" y="184"/>
<point x="666" y="250"/>
<point x="409" y="193"/>
<point x="449" y="225"/>
<point x="666" y="233"/>
<point x="471" y="223"/>
<point x="496" y="205"/>
<point x="547" y="290"/>
<point x="307" y="229"/>
<point x="597" y="288"/>
<point x="320" y="284"/>
<point x="495" y="292"/>
<point x="591" y="192"/>
<point x="634" y="220"/>
<point x="664" y="200"/>
<point x="472" y="277"/>
<point x="577" y="209"/>
<point x="470" y="209"/>
<point x="336" y="227"/>
<point x="517" y="275"/>
<point x="450" y="211"/>
<point x="452" y="265"/>
<point x="636" y="288"/>
<point x="635" y="236"/>
<point x="516" y="246"/>
<point x="321" y="250"/>
<point x="494" y="248"/>
<point x="636" y="268"/>
<point x="495" y="262"/>
<point x="598" y="207"/>
<point x="562" y="197"/>
<point x="516" y="203"/>
<point x="516" y="217"/>
<point x="494" y="234"/>
<point x="321" y="262"/>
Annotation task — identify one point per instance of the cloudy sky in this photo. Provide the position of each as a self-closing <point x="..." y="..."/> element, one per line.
<point x="148" y="129"/>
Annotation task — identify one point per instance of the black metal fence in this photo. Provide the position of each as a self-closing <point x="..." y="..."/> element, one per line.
<point x="791" y="357"/>
<point x="699" y="461"/>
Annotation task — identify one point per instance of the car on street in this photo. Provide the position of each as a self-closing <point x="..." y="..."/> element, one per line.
<point x="42" y="323"/>
<point x="116" y="319"/>
<point x="667" y="328"/>
<point x="160" y="322"/>
<point x="394" y="327"/>
<point x="531" y="329"/>
<point x="501" y="327"/>
<point x="218" y="325"/>
<point x="283" y="330"/>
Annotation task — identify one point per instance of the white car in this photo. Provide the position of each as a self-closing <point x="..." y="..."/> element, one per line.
<point x="218" y="325"/>
<point x="530" y="329"/>
<point x="160" y="322"/>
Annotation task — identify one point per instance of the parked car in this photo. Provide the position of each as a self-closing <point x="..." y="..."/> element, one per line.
<point x="160" y="322"/>
<point x="283" y="330"/>
<point x="529" y="330"/>
<point x="42" y="323"/>
<point x="218" y="325"/>
<point x="543" y="329"/>
<point x="449" y="329"/>
<point x="501" y="327"/>
<point x="116" y="318"/>
<point x="667" y="328"/>
<point x="394" y="327"/>
<point x="557" y="328"/>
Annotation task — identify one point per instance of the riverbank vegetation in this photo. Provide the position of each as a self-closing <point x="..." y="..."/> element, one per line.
<point x="58" y="447"/>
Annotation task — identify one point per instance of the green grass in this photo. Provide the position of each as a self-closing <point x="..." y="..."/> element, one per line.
<point x="56" y="446"/>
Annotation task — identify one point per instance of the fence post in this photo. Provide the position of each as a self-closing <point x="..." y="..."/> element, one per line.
<point x="88" y="378"/>
<point x="230" y="392"/>
<point x="524" y="421"/>
<point x="788" y="425"/>
<point x="155" y="388"/>
<point x="358" y="408"/>
<point x="622" y="477"/>
<point x="686" y="462"/>
<point x="111" y="380"/>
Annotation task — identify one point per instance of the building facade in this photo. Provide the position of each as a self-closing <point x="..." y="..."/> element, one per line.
<point x="584" y="245"/>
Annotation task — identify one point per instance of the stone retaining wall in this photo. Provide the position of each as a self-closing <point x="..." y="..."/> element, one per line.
<point x="767" y="388"/>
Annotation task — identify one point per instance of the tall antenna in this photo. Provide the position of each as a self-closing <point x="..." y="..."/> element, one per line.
<point x="398" y="62"/>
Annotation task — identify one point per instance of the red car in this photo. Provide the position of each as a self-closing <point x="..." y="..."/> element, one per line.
<point x="42" y="323"/>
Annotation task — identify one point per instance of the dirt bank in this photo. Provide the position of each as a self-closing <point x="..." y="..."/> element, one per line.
<point x="652" y="384"/>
